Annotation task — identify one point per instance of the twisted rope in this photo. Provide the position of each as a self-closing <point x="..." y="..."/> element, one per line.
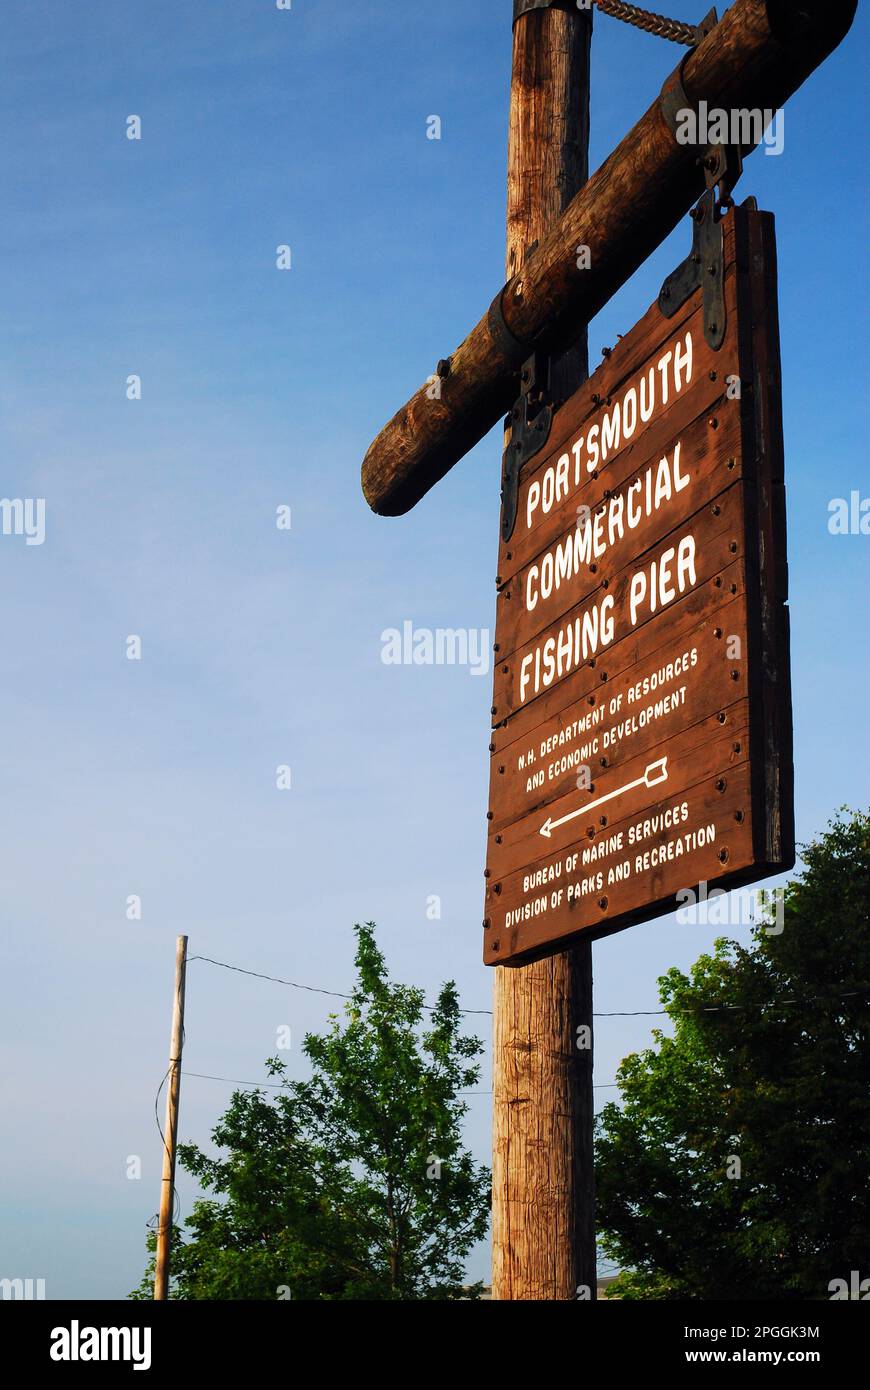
<point x="672" y="29"/>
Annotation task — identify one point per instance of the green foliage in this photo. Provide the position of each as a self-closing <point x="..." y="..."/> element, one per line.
<point x="777" y="1077"/>
<point x="353" y="1184"/>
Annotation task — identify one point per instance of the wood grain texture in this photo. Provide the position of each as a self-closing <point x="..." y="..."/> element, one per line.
<point x="581" y="714"/>
<point x="543" y="1232"/>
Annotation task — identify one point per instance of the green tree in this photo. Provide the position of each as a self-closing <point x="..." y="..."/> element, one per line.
<point x="352" y="1184"/>
<point x="776" y="1077"/>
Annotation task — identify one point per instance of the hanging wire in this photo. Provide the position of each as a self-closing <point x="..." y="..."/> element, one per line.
<point x="623" y="1013"/>
<point x="674" y="29"/>
<point x="310" y="989"/>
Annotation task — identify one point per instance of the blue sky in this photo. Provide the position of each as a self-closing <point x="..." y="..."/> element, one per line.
<point x="263" y="388"/>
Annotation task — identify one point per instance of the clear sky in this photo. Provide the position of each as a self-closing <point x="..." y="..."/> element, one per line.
<point x="261" y="647"/>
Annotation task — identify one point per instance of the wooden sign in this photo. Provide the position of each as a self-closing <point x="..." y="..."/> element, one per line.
<point x="641" y="740"/>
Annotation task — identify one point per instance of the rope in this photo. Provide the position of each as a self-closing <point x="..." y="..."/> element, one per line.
<point x="672" y="29"/>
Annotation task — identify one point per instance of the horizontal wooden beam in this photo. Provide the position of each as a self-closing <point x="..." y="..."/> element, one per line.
<point x="756" y="58"/>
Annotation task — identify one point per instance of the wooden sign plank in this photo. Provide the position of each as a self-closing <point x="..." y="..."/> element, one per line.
<point x="624" y="523"/>
<point x="644" y="591"/>
<point x="641" y="737"/>
<point x="592" y="446"/>
<point x="683" y="684"/>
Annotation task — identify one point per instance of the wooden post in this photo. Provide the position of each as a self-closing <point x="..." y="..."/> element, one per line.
<point x="173" y="1092"/>
<point x="543" y="1195"/>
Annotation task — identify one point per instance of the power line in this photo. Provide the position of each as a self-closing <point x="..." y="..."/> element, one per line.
<point x="311" y="989"/>
<point x="625" y="1013"/>
<point x="275" y="1086"/>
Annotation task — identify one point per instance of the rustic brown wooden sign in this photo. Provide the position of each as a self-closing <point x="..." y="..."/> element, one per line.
<point x="641" y="739"/>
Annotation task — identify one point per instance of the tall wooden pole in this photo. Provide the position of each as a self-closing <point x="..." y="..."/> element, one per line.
<point x="170" y="1132"/>
<point x="543" y="1195"/>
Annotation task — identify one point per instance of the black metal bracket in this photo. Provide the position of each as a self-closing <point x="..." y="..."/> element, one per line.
<point x="530" y="423"/>
<point x="704" y="267"/>
<point x="522" y="7"/>
<point x="511" y="348"/>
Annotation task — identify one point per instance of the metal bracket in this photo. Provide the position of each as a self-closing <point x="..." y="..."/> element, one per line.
<point x="705" y="264"/>
<point x="513" y="351"/>
<point x="530" y="421"/>
<point x="708" y="23"/>
<point x="522" y="7"/>
<point x="704" y="267"/>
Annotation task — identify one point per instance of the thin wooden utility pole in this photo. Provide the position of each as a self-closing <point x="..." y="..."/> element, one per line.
<point x="543" y="1193"/>
<point x="173" y="1093"/>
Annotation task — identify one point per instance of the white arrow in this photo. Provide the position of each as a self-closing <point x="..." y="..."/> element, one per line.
<point x="655" y="773"/>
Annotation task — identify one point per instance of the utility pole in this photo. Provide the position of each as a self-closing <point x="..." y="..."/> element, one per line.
<point x="543" y="1193"/>
<point x="173" y="1092"/>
